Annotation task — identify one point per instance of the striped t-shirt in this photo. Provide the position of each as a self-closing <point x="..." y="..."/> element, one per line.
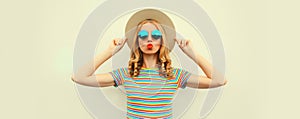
<point x="149" y="95"/>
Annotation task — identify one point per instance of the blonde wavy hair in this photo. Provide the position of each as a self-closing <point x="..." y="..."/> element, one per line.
<point x="136" y="57"/>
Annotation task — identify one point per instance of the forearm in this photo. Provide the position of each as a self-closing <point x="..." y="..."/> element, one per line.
<point x="208" y="69"/>
<point x="217" y="80"/>
<point x="206" y="66"/>
<point x="88" y="69"/>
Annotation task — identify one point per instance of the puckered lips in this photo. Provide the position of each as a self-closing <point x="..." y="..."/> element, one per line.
<point x="149" y="46"/>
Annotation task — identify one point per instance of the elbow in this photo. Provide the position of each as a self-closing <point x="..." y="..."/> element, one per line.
<point x="85" y="81"/>
<point x="218" y="84"/>
<point x="225" y="82"/>
<point x="74" y="79"/>
<point x="206" y="83"/>
<point x="78" y="80"/>
<point x="222" y="83"/>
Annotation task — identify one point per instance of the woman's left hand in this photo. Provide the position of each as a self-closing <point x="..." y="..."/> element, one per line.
<point x="186" y="47"/>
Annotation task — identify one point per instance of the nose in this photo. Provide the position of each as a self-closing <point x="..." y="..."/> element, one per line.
<point x="149" y="39"/>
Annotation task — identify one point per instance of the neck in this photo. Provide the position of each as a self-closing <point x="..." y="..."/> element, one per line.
<point x="150" y="61"/>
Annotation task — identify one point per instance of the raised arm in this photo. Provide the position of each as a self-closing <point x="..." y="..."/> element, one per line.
<point x="196" y="81"/>
<point x="85" y="74"/>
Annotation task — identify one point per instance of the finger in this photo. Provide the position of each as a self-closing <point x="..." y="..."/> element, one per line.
<point x="115" y="42"/>
<point x="184" y="43"/>
<point x="119" y="41"/>
<point x="187" y="42"/>
<point x="181" y="43"/>
<point x="175" y="39"/>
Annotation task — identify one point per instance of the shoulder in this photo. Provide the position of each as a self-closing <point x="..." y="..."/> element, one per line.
<point x="175" y="69"/>
<point x="123" y="70"/>
<point x="179" y="70"/>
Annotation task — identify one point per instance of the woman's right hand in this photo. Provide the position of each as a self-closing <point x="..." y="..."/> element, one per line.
<point x="117" y="44"/>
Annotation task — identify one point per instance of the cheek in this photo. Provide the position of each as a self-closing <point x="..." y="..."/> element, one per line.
<point x="158" y="42"/>
<point x="158" y="45"/>
<point x="140" y="43"/>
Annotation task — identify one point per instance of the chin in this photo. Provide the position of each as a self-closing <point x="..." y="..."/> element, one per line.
<point x="150" y="52"/>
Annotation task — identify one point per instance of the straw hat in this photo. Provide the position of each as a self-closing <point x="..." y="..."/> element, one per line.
<point x="157" y="15"/>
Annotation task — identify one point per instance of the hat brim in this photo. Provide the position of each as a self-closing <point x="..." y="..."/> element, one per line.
<point x="157" y="15"/>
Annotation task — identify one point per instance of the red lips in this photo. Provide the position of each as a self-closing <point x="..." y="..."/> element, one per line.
<point x="149" y="46"/>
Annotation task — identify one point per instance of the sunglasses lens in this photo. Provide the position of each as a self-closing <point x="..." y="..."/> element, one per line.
<point x="156" y="37"/>
<point x="156" y="34"/>
<point x="143" y="34"/>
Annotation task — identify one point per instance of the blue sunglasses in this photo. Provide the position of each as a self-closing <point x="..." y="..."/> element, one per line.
<point x="156" y="34"/>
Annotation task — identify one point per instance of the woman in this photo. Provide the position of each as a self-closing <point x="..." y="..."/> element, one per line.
<point x="149" y="80"/>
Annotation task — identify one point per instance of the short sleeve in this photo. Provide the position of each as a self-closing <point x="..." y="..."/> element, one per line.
<point x="181" y="76"/>
<point x="119" y="76"/>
